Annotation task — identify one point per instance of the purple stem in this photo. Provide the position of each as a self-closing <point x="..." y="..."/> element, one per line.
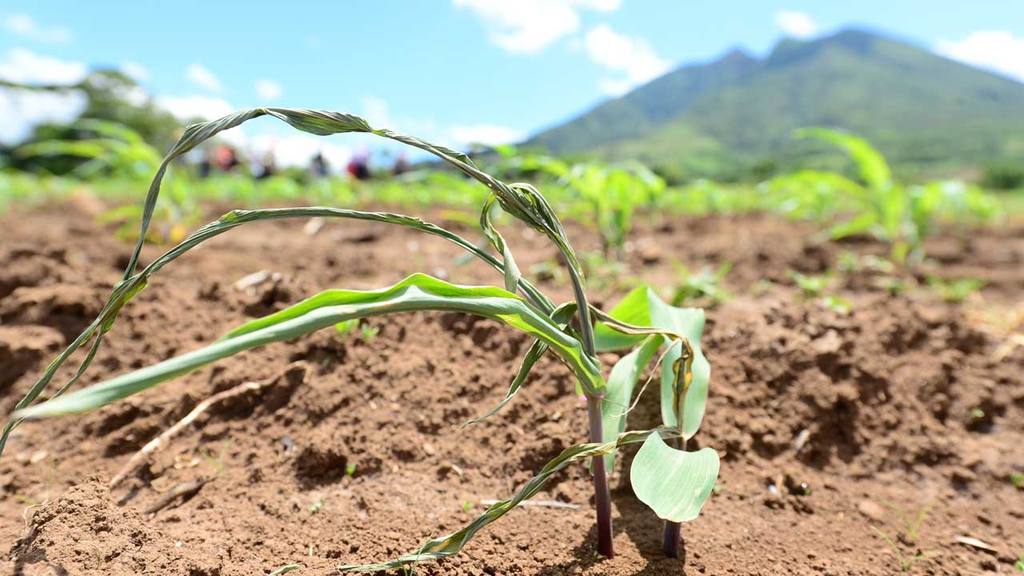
<point x="602" y="495"/>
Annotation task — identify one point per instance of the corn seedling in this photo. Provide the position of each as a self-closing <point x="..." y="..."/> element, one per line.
<point x="673" y="482"/>
<point x="811" y="285"/>
<point x="109" y="149"/>
<point x="613" y="194"/>
<point x="893" y="212"/>
<point x="956" y="290"/>
<point x="704" y="287"/>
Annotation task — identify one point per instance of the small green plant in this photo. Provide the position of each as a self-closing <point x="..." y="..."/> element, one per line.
<point x="1019" y="564"/>
<point x="316" y="506"/>
<point x="367" y="332"/>
<point x="956" y="290"/>
<point x="906" y="562"/>
<point x="898" y="214"/>
<point x="811" y="285"/>
<point x="673" y="481"/>
<point x="614" y="193"/>
<point x="910" y="530"/>
<point x="107" y="148"/>
<point x="1017" y="480"/>
<point x="704" y="287"/>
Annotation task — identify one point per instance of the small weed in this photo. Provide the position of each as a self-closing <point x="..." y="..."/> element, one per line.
<point x="906" y="562"/>
<point x="1017" y="479"/>
<point x="467" y="506"/>
<point x="367" y="332"/>
<point x="704" y="286"/>
<point x="1019" y="564"/>
<point x="350" y="470"/>
<point x="316" y="507"/>
<point x="812" y="286"/>
<point x="956" y="290"/>
<point x="910" y="524"/>
<point x="912" y="521"/>
<point x="837" y="304"/>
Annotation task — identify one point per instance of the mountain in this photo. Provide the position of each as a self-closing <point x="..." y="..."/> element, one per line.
<point x="734" y="116"/>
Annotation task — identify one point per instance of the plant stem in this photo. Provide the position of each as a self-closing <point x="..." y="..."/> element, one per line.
<point x="602" y="494"/>
<point x="673" y="535"/>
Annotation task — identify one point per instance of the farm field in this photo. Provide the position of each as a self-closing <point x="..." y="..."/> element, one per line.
<point x="841" y="415"/>
<point x="512" y="288"/>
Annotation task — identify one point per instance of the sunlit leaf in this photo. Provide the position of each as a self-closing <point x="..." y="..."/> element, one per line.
<point x="673" y="483"/>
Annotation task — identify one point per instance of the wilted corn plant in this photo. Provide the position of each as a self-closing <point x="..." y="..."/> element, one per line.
<point x="674" y="482"/>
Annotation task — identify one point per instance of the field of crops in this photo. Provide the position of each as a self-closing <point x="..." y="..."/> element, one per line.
<point x="589" y="372"/>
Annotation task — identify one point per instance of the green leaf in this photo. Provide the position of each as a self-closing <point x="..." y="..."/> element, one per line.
<point x="417" y="292"/>
<point x="871" y="164"/>
<point x="673" y="483"/>
<point x="633" y="309"/>
<point x="512" y="273"/>
<point x="690" y="323"/>
<point x="861" y="224"/>
<point x="619" y="391"/>
<point x="643" y="307"/>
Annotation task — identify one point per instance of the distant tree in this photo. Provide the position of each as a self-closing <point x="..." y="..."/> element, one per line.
<point x="1004" y="176"/>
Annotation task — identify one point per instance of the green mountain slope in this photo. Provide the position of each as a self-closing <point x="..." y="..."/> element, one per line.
<point x="734" y="116"/>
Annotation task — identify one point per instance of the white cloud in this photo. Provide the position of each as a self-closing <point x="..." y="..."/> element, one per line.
<point x="486" y="134"/>
<point x="202" y="77"/>
<point x="25" y="66"/>
<point x="136" y="71"/>
<point x="20" y="110"/>
<point x="268" y="89"/>
<point x="796" y="24"/>
<point x="530" y="26"/>
<point x="996" y="50"/>
<point x="25" y="26"/>
<point x="630" y="56"/>
<point x="195" y="106"/>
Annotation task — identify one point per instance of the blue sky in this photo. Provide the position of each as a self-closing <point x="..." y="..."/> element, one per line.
<point x="452" y="70"/>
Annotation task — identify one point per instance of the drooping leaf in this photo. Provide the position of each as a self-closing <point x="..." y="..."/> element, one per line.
<point x="417" y="292"/>
<point x="673" y="483"/>
<point x="512" y="273"/>
<point x="126" y="289"/>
